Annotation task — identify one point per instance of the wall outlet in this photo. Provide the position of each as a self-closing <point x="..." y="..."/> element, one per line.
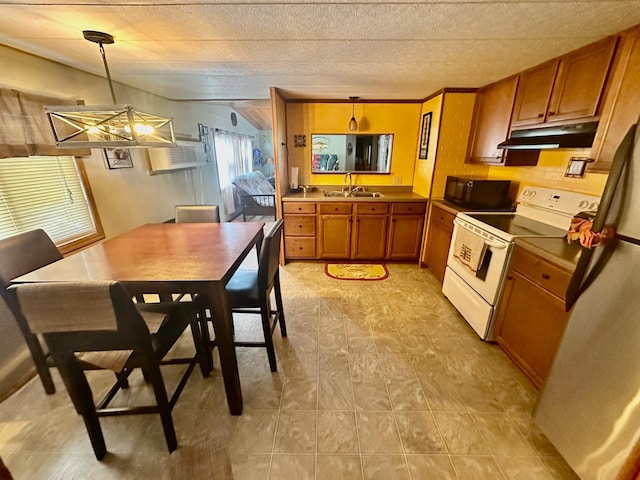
<point x="397" y="180"/>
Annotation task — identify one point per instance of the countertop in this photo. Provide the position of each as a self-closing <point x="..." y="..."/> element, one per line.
<point x="390" y="194"/>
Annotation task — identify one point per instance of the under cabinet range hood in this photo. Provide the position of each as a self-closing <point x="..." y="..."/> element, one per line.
<point x="577" y="135"/>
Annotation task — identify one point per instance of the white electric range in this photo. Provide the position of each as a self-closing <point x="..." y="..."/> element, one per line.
<point x="482" y="244"/>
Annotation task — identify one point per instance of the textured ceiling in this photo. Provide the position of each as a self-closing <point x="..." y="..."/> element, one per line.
<point x="237" y="49"/>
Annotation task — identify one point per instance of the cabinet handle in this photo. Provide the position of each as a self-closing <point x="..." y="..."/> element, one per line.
<point x="540" y="115"/>
<point x="498" y="157"/>
<point x="552" y="113"/>
<point x="441" y="218"/>
<point x="546" y="276"/>
<point x="509" y="277"/>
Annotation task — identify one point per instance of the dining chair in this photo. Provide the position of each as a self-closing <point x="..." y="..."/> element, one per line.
<point x="197" y="214"/>
<point x="21" y="254"/>
<point x="100" y="322"/>
<point x="249" y="291"/>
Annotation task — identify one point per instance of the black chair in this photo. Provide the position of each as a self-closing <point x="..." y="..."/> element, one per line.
<point x="249" y="291"/>
<point x="100" y="321"/>
<point x="19" y="255"/>
<point x="197" y="214"/>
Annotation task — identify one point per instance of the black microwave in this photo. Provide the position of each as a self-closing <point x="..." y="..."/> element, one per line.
<point x="478" y="194"/>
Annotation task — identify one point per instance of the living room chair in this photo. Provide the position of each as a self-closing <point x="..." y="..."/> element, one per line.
<point x="100" y="321"/>
<point x="249" y="292"/>
<point x="19" y="255"/>
<point x="197" y="214"/>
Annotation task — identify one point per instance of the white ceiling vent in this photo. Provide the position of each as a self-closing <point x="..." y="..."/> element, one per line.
<point x="188" y="154"/>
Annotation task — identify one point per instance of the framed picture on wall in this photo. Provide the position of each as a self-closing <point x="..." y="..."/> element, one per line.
<point x="425" y="130"/>
<point x="118" y="158"/>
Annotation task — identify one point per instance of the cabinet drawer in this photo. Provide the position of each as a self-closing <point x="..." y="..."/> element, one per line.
<point x="299" y="207"/>
<point x="371" y="208"/>
<point x="299" y="247"/>
<point x="300" y="225"/>
<point x="335" y="208"/>
<point x="408" y="208"/>
<point x="442" y="218"/>
<point x="541" y="272"/>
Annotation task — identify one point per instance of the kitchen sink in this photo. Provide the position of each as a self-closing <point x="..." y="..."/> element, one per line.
<point x="338" y="193"/>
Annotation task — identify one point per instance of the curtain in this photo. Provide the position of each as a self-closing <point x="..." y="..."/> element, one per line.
<point x="24" y="126"/>
<point x="234" y="156"/>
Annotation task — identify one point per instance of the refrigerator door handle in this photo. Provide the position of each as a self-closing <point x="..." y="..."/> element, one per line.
<point x="622" y="157"/>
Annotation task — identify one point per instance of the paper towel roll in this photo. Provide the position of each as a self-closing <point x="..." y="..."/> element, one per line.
<point x="294" y="178"/>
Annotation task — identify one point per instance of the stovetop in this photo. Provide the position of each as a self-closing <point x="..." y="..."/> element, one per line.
<point x="516" y="225"/>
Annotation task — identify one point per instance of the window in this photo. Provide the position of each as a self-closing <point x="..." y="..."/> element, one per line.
<point x="48" y="193"/>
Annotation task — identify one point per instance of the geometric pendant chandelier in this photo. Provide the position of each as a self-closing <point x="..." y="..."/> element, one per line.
<point x="107" y="126"/>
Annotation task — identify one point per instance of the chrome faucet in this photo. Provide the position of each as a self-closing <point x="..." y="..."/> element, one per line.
<point x="348" y="175"/>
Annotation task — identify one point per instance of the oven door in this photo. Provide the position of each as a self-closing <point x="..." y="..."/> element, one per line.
<point x="487" y="281"/>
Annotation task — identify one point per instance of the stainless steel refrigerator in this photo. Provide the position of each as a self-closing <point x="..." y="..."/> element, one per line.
<point x="589" y="407"/>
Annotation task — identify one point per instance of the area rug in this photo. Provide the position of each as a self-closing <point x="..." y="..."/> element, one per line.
<point x="356" y="271"/>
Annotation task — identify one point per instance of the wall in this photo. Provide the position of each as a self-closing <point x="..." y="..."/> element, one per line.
<point x="126" y="198"/>
<point x="423" y="172"/>
<point x="401" y="119"/>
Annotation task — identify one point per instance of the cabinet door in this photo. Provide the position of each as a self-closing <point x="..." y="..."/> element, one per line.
<point x="369" y="237"/>
<point x="438" y="241"/>
<point x="334" y="240"/>
<point x="534" y="94"/>
<point x="530" y="325"/>
<point x="491" y="120"/>
<point x="405" y="236"/>
<point x="580" y="82"/>
<point x="622" y="107"/>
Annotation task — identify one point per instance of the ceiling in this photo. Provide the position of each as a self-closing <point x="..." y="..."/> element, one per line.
<point x="230" y="51"/>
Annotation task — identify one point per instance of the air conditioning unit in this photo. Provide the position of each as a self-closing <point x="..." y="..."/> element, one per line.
<point x="187" y="154"/>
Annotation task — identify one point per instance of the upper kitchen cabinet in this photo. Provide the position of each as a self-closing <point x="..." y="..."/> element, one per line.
<point x="622" y="105"/>
<point x="566" y="88"/>
<point x="491" y="123"/>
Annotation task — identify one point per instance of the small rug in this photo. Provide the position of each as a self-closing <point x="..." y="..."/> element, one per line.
<point x="356" y="271"/>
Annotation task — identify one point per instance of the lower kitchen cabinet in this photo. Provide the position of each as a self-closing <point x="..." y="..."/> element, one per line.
<point x="299" y="230"/>
<point x="531" y="318"/>
<point x="334" y="235"/>
<point x="438" y="240"/>
<point x="370" y="231"/>
<point x="405" y="236"/>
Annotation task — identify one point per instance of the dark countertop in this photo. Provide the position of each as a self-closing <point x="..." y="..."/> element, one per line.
<point x="556" y="250"/>
<point x="390" y="194"/>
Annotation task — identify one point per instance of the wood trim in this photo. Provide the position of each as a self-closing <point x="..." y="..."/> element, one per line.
<point x="408" y="100"/>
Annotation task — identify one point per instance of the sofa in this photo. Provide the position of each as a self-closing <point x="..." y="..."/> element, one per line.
<point x="257" y="195"/>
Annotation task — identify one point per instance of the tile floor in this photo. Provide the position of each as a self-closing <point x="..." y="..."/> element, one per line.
<point x="376" y="380"/>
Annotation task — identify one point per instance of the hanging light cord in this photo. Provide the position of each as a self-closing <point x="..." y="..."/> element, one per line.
<point x="106" y="69"/>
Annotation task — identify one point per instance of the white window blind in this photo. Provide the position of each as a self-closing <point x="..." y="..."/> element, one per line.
<point x="47" y="193"/>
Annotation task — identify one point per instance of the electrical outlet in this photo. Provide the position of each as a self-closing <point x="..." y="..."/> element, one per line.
<point x="397" y="180"/>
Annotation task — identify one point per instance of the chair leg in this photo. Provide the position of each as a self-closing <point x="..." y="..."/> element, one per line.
<point x="201" y="347"/>
<point x="40" y="360"/>
<point x="164" y="409"/>
<point x="268" y="340"/>
<point x="279" y="307"/>
<point x="82" y="398"/>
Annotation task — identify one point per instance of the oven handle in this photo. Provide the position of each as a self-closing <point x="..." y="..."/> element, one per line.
<point x="498" y="246"/>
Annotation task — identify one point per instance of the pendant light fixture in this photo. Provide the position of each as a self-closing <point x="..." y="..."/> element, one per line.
<point x="353" y="123"/>
<point x="108" y="126"/>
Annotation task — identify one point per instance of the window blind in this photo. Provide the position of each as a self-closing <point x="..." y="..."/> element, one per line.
<point x="47" y="193"/>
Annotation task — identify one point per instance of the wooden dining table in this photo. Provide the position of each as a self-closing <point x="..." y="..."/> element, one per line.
<point x="169" y="258"/>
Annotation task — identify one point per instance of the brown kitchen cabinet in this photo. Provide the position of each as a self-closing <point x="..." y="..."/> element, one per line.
<point x="491" y="121"/>
<point x="299" y="229"/>
<point x="405" y="231"/>
<point x="370" y="231"/>
<point x="531" y="317"/>
<point x="566" y="88"/>
<point x="622" y="106"/>
<point x="438" y="240"/>
<point x="334" y="235"/>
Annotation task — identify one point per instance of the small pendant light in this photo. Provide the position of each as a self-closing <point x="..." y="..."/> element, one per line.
<point x="353" y="123"/>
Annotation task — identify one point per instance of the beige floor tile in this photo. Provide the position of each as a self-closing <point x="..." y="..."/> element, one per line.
<point x="441" y="392"/>
<point x="523" y="468"/>
<point x="300" y="394"/>
<point x="432" y="467"/>
<point x="365" y="365"/>
<point x="407" y="394"/>
<point x="262" y="393"/>
<point x="333" y="365"/>
<point x="337" y="432"/>
<point x="559" y="468"/>
<point x="371" y="394"/>
<point x="378" y="433"/>
<point x="293" y="467"/>
<point x="385" y="467"/>
<point x="250" y="466"/>
<point x="477" y="467"/>
<point x="245" y="439"/>
<point x="501" y="434"/>
<point x="335" y="394"/>
<point x="339" y="467"/>
<point x="460" y="433"/>
<point x="296" y="432"/>
<point x="419" y="433"/>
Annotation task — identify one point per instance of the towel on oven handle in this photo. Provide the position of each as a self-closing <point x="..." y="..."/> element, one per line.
<point x="469" y="249"/>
